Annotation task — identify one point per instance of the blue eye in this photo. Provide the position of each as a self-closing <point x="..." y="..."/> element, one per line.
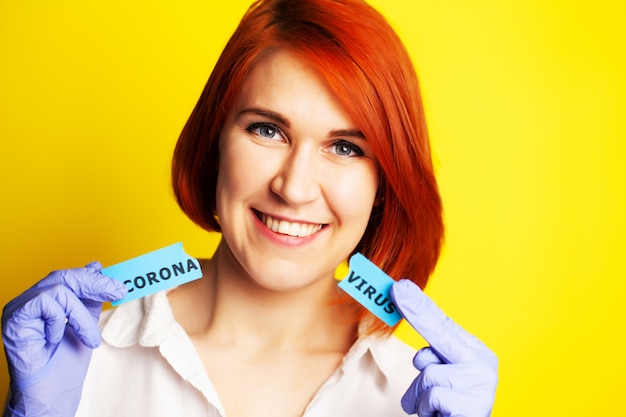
<point x="345" y="148"/>
<point x="266" y="130"/>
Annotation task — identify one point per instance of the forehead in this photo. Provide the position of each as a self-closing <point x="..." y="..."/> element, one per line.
<point x="283" y="82"/>
<point x="280" y="64"/>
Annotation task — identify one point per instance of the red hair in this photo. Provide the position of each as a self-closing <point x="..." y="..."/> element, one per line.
<point x="366" y="65"/>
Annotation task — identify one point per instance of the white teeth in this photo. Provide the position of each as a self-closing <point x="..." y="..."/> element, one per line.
<point x="271" y="223"/>
<point x="290" y="228"/>
<point x="283" y="227"/>
<point x="294" y="229"/>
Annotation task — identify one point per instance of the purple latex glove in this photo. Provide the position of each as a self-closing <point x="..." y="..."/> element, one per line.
<point x="48" y="334"/>
<point x="458" y="373"/>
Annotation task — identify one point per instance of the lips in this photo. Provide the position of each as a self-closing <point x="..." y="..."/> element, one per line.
<point x="285" y="227"/>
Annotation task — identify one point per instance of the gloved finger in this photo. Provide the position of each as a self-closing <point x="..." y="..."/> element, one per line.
<point x="451" y="342"/>
<point x="446" y="402"/>
<point x="442" y="402"/>
<point x="87" y="283"/>
<point x="424" y="357"/>
<point x="54" y="305"/>
<point x="409" y="399"/>
<point x="95" y="265"/>
<point x="463" y="376"/>
<point x="41" y="319"/>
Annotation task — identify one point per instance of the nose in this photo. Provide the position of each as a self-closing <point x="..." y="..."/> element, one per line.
<point x="298" y="180"/>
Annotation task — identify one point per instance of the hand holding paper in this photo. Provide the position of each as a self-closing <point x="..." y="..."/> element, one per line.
<point x="48" y="359"/>
<point x="458" y="373"/>
<point x="49" y="330"/>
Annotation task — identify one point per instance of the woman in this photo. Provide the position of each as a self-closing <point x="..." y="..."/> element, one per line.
<point x="308" y="144"/>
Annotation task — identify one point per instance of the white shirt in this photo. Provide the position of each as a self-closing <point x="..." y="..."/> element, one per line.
<point x="147" y="366"/>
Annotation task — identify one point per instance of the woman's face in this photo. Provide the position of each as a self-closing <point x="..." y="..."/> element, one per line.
<point x="297" y="179"/>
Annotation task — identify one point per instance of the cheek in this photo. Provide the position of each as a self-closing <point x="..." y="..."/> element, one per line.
<point x="231" y="174"/>
<point x="242" y="171"/>
<point x="352" y="196"/>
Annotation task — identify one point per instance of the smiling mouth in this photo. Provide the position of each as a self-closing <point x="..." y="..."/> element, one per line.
<point x="285" y="227"/>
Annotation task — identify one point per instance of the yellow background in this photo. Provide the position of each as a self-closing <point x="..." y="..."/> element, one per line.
<point x="526" y="105"/>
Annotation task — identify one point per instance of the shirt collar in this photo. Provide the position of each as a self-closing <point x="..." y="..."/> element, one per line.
<point x="381" y="349"/>
<point x="146" y="321"/>
<point x="150" y="320"/>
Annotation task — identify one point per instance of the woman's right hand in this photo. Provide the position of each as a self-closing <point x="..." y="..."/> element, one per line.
<point x="48" y="334"/>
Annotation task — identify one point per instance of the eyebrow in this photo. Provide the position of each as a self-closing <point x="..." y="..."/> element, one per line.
<point x="279" y="118"/>
<point x="349" y="133"/>
<point x="265" y="113"/>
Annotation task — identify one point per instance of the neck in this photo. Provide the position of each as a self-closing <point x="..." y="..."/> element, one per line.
<point x="229" y="308"/>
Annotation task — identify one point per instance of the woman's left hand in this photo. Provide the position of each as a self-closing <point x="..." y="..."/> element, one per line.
<point x="458" y="373"/>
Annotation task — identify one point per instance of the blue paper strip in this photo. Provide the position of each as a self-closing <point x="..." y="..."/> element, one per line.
<point x="155" y="271"/>
<point x="370" y="286"/>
